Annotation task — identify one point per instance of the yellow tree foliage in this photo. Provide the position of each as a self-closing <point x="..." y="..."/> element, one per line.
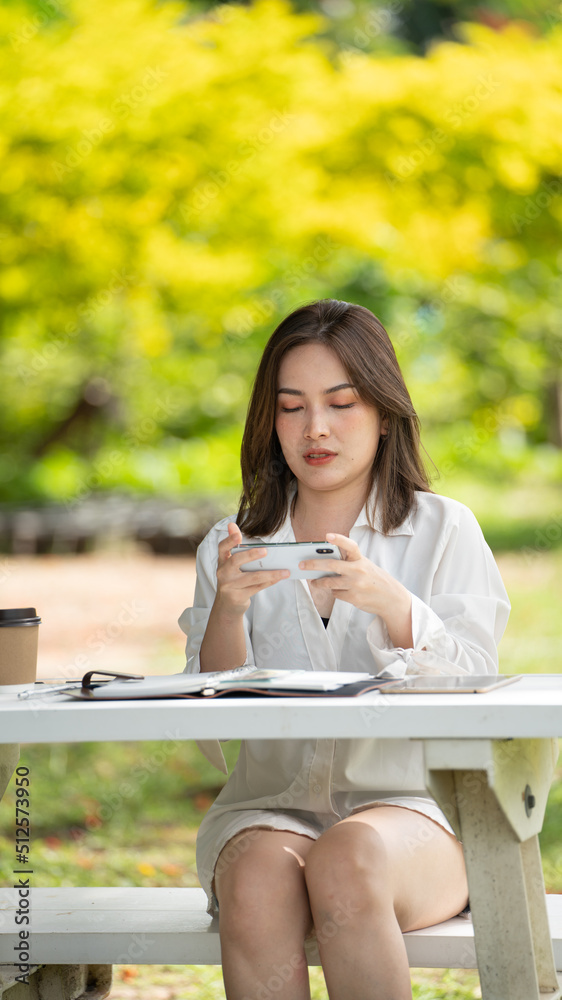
<point x="170" y="185"/>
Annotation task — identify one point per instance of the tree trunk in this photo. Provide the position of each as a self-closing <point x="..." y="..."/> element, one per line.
<point x="554" y="413"/>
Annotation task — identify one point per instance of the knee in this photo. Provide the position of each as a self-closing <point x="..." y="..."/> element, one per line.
<point x="257" y="897"/>
<point x="346" y="870"/>
<point x="243" y="891"/>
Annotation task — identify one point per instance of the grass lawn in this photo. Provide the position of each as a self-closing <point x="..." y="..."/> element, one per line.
<point x="127" y="814"/>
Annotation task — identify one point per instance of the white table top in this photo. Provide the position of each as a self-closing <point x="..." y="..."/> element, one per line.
<point x="529" y="708"/>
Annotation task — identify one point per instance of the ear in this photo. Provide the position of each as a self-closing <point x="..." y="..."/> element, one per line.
<point x="384" y="426"/>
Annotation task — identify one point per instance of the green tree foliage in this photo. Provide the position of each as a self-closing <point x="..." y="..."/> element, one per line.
<point x="171" y="185"/>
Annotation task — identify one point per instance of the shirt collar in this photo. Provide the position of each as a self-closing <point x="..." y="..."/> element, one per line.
<point x="286" y="534"/>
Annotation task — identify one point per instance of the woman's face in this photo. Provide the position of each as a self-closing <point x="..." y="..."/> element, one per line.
<point x="328" y="435"/>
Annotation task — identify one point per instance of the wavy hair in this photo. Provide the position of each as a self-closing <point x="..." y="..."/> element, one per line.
<point x="363" y="347"/>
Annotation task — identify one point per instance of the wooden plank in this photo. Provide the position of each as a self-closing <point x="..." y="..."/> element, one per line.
<point x="138" y="926"/>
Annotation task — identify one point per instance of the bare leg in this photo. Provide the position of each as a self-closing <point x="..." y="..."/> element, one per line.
<point x="373" y="875"/>
<point x="264" y="915"/>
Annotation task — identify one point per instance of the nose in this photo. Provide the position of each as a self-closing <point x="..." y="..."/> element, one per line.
<point x="316" y="425"/>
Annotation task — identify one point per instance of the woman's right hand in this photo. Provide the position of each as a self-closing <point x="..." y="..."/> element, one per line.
<point x="235" y="588"/>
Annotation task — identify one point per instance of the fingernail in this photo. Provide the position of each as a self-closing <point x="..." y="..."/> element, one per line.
<point x="330" y="536"/>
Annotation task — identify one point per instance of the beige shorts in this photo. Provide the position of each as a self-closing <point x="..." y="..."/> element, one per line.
<point x="246" y="819"/>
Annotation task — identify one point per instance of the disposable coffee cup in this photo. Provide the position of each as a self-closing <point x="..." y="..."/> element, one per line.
<point x="19" y="633"/>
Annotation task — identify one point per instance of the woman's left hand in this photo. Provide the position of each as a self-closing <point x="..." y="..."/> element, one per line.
<point x="368" y="587"/>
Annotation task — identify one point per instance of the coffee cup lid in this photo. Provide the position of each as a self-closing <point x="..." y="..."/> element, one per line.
<point x="11" y="617"/>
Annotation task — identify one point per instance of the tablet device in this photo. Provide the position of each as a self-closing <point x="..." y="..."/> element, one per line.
<point x="448" y="684"/>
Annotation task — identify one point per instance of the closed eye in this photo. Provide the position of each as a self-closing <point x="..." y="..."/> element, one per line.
<point x="335" y="406"/>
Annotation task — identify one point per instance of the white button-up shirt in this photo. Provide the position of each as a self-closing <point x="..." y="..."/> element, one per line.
<point x="459" y="612"/>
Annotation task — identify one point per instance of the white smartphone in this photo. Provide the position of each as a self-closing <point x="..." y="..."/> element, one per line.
<point x="288" y="555"/>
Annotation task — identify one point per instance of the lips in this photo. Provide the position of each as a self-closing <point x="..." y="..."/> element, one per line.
<point x="319" y="456"/>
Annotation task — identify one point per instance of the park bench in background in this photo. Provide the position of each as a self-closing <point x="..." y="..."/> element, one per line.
<point x="165" y="527"/>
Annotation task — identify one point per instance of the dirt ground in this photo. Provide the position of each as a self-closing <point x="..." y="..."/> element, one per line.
<point x="108" y="610"/>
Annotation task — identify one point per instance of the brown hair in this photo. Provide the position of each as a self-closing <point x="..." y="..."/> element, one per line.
<point x="363" y="346"/>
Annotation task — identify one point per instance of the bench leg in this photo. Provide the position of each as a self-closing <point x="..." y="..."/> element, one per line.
<point x="512" y="940"/>
<point x="534" y="886"/>
<point x="57" y="982"/>
<point x="494" y="792"/>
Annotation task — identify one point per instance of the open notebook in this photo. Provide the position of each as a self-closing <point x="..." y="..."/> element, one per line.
<point x="94" y="687"/>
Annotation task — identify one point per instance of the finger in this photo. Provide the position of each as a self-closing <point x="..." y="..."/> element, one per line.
<point x="324" y="565"/>
<point x="233" y="538"/>
<point x="234" y="533"/>
<point x="251" y="555"/>
<point x="336" y="584"/>
<point x="260" y="578"/>
<point x="350" y="548"/>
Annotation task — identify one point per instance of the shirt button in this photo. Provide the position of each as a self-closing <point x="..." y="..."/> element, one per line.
<point x="317" y="789"/>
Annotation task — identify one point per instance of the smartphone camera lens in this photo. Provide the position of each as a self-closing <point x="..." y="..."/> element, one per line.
<point x="322" y="552"/>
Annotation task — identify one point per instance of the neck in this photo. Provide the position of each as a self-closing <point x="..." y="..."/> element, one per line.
<point x="316" y="513"/>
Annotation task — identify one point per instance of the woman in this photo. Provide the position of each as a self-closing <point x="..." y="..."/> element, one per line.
<point x="336" y="836"/>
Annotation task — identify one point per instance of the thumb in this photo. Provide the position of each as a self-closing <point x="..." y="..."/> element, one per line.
<point x="234" y="531"/>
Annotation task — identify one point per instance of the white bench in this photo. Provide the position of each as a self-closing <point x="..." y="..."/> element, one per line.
<point x="97" y="927"/>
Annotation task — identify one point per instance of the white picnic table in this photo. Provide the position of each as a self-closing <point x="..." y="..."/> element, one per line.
<point x="489" y="763"/>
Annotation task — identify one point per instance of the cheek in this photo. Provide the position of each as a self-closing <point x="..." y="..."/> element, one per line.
<point x="283" y="427"/>
<point x="365" y="434"/>
<point x="282" y="435"/>
<point x="356" y="424"/>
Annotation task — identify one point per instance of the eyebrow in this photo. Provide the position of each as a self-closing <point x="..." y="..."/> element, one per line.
<point x="335" y="388"/>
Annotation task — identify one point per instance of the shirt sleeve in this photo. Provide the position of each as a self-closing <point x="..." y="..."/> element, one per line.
<point x="193" y="621"/>
<point x="458" y="629"/>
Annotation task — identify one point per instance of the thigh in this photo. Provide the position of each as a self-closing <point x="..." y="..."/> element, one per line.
<point x="260" y="864"/>
<point x="425" y="864"/>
